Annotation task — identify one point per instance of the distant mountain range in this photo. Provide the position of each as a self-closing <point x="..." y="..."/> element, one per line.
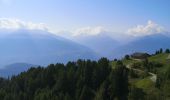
<point x="102" y="44"/>
<point x="15" y="69"/>
<point x="111" y="48"/>
<point x="148" y="44"/>
<point x="39" y="48"/>
<point x="23" y="49"/>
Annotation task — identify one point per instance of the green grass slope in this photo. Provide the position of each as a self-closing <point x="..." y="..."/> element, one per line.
<point x="163" y="59"/>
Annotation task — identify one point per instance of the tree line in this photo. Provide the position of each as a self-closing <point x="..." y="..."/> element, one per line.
<point x="85" y="80"/>
<point x="80" y="80"/>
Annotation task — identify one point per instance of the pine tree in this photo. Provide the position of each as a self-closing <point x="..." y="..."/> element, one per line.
<point x="121" y="81"/>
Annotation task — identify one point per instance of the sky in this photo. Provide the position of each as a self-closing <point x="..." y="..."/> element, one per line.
<point x="93" y="16"/>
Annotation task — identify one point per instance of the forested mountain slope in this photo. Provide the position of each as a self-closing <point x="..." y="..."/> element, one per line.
<point x="93" y="80"/>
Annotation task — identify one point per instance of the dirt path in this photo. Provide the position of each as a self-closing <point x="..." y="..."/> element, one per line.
<point x="152" y="78"/>
<point x="168" y="56"/>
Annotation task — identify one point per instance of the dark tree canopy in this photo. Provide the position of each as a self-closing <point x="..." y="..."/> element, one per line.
<point x="81" y="80"/>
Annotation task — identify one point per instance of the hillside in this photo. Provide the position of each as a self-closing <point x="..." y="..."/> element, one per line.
<point x="125" y="79"/>
<point x="161" y="58"/>
<point x="142" y="77"/>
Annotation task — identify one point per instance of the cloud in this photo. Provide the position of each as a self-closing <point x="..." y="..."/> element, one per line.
<point x="16" y="24"/>
<point x="148" y="29"/>
<point x="88" y="31"/>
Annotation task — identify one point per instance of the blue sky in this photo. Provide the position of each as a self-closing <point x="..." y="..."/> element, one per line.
<point x="114" y="15"/>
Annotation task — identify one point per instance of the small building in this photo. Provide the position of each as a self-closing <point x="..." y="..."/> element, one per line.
<point x="139" y="55"/>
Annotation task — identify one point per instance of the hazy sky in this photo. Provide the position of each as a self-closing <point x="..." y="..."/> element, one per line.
<point x="114" y="15"/>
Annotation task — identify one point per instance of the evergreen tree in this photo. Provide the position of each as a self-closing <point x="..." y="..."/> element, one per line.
<point x="161" y="50"/>
<point x="167" y="51"/>
<point x="86" y="94"/>
<point x="127" y="57"/>
<point x="121" y="81"/>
